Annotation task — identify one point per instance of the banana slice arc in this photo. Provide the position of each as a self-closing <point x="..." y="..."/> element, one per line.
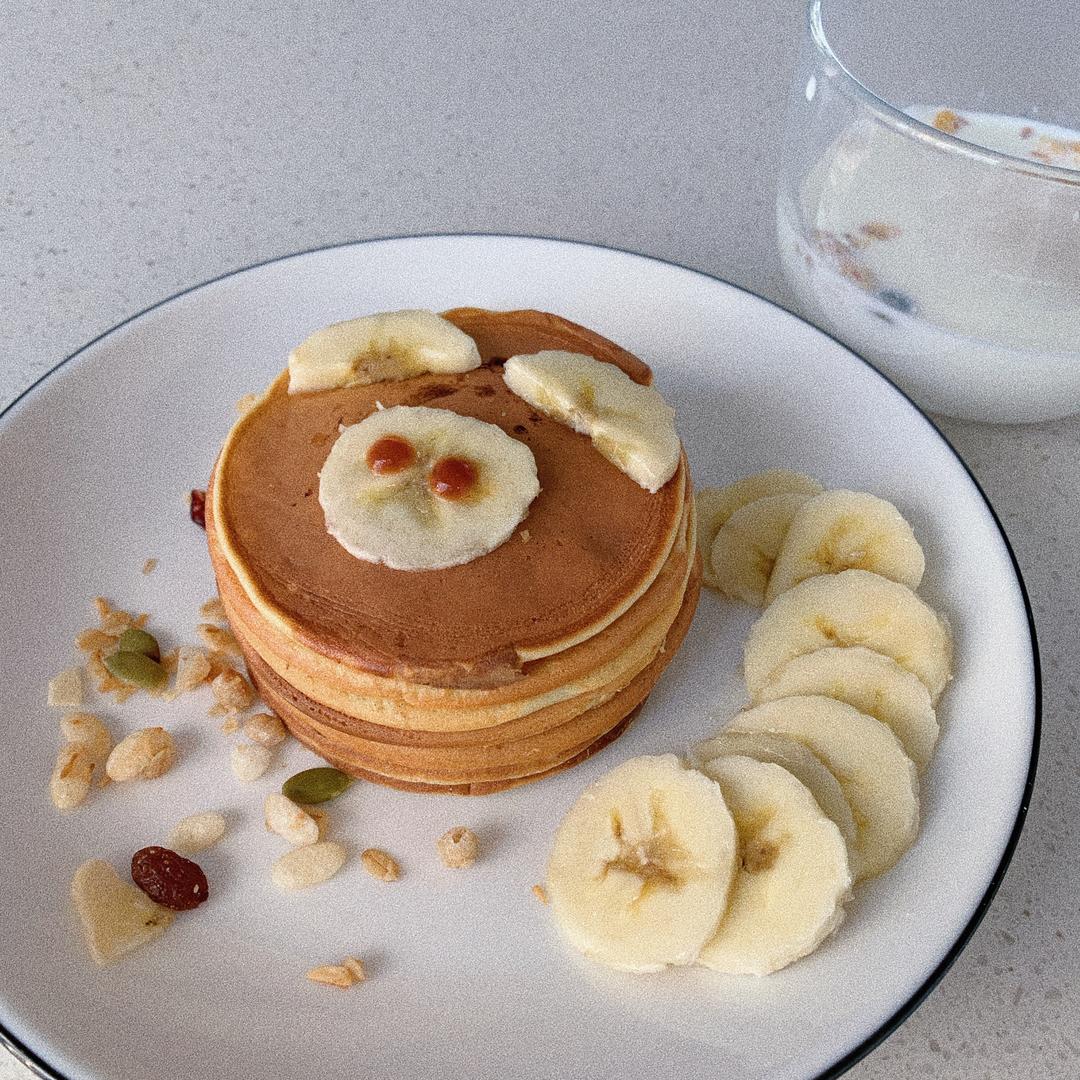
<point x="384" y="347"/>
<point x="873" y="684"/>
<point x="397" y="518"/>
<point x="716" y="505"/>
<point x="792" y="878"/>
<point x="852" y="608"/>
<point x="747" y="544"/>
<point x="641" y="865"/>
<point x="792" y="755"/>
<point x="629" y="424"/>
<point x="847" y="530"/>
<point x="878" y="779"/>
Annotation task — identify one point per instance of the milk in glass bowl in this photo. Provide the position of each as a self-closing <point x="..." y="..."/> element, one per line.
<point x="936" y="229"/>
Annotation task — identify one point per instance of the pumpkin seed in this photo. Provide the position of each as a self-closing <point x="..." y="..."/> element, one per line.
<point x="315" y="785"/>
<point x="137" y="669"/>
<point x="138" y="641"/>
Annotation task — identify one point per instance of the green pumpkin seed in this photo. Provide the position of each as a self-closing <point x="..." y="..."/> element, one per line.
<point x="137" y="669"/>
<point x="135" y="640"/>
<point x="315" y="785"/>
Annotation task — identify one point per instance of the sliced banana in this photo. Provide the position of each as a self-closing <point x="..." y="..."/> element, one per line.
<point x="716" y="505"/>
<point x="378" y="348"/>
<point x="788" y="752"/>
<point x="847" y="530"/>
<point x="630" y="424"/>
<point x="878" y="779"/>
<point x="747" y="544"/>
<point x="847" y="609"/>
<point x="792" y="878"/>
<point x="641" y="865"/>
<point x="873" y="684"/>
<point x="398" y="516"/>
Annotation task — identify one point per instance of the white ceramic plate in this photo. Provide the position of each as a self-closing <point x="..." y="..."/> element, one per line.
<point x="468" y="975"/>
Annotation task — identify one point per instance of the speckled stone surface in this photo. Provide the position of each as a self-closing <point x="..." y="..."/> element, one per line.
<point x="145" y="148"/>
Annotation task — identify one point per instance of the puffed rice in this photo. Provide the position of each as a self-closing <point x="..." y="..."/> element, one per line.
<point x="303" y="867"/>
<point x="197" y="832"/>
<point x="249" y="761"/>
<point x="265" y="729"/>
<point x="143" y="755"/>
<point x="458" y="847"/>
<point x="290" y="821"/>
<point x="70" y="780"/>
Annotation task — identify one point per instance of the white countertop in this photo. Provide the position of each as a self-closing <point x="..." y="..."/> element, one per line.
<point x="149" y="147"/>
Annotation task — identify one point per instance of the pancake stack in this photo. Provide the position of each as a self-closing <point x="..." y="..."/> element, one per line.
<point x="475" y="677"/>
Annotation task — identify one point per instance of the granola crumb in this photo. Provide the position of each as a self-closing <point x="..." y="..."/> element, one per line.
<point x="458" y="848"/>
<point x="342" y="976"/>
<point x="525" y="535"/>
<point x="379" y="864"/>
<point x="193" y="668"/>
<point x="540" y="893"/>
<point x="879" y="230"/>
<point x="149" y="566"/>
<point x="949" y="121"/>
<point x="214" y="610"/>
<point x="66" y="689"/>
<point x="232" y="692"/>
<point x="218" y="639"/>
<point x="231" y="725"/>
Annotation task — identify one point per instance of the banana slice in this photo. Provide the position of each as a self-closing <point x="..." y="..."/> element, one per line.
<point x="792" y="755"/>
<point x="716" y="505"/>
<point x="630" y="424"/>
<point x="378" y="348"/>
<point x="847" y="530"/>
<point x="851" y="608"/>
<point x="421" y="489"/>
<point x="878" y="779"/>
<point x="641" y="865"/>
<point x="747" y="544"/>
<point x="792" y="879"/>
<point x="873" y="684"/>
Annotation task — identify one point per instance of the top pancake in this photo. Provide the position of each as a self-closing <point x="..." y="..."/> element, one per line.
<point x="596" y="540"/>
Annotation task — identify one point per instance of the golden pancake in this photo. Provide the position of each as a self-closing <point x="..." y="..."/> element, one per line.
<point x="482" y="768"/>
<point x="615" y="651"/>
<point x="596" y="539"/>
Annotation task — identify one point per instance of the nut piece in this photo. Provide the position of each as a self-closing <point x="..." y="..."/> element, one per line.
<point x="192" y="668"/>
<point x="197" y="832"/>
<point x="70" y="781"/>
<point x="458" y="848"/>
<point x="289" y="821"/>
<point x="265" y="729"/>
<point x="380" y="865"/>
<point x="249" y="761"/>
<point x="232" y="691"/>
<point x="116" y="917"/>
<point x="343" y="975"/>
<point x="143" y="755"/>
<point x="66" y="689"/>
<point x="307" y="866"/>
<point x="219" y="639"/>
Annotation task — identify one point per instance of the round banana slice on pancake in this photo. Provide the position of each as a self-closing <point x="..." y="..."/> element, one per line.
<point x="390" y="345"/>
<point x="629" y="424"/>
<point x="417" y="488"/>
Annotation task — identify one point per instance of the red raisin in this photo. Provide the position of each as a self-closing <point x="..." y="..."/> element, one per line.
<point x="198" y="507"/>
<point x="168" y="878"/>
